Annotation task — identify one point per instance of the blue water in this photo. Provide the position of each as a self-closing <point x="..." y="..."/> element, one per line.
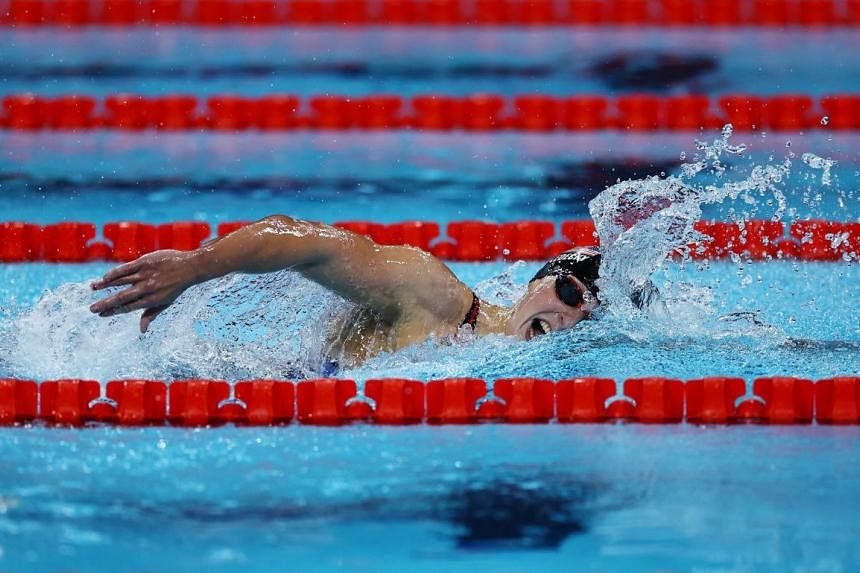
<point x="386" y="177"/>
<point x="805" y="324"/>
<point x="626" y="498"/>
<point x="564" y="498"/>
<point x="486" y="499"/>
<point x="412" y="61"/>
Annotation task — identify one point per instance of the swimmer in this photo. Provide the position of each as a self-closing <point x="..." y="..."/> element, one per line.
<point x="405" y="295"/>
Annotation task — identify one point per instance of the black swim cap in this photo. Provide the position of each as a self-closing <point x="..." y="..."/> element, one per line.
<point x="584" y="264"/>
<point x="581" y="262"/>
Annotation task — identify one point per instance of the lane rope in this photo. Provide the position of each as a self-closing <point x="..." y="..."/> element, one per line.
<point x="398" y="401"/>
<point x="467" y="241"/>
<point x="477" y="112"/>
<point x="442" y="13"/>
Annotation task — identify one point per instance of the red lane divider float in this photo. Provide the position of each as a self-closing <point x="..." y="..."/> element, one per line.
<point x="520" y="401"/>
<point x="583" y="399"/>
<point x="477" y="112"/>
<point x="353" y="13"/>
<point x="74" y="242"/>
<point x="454" y="400"/>
<point x="18" y="401"/>
<point x="396" y="401"/>
<point x="712" y="400"/>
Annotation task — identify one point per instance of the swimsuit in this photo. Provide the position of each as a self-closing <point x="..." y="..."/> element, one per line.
<point x="472" y="316"/>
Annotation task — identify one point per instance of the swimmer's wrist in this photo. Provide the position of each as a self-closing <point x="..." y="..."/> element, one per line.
<point x="203" y="265"/>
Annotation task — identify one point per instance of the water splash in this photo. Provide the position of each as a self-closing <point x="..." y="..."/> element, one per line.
<point x="232" y="328"/>
<point x="642" y="222"/>
<point x="819" y="163"/>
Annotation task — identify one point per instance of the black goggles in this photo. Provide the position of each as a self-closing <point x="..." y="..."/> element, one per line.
<point x="568" y="291"/>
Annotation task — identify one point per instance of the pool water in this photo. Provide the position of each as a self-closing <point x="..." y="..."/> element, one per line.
<point x="409" y="61"/>
<point x="386" y="176"/>
<point x="798" y="319"/>
<point x="486" y="498"/>
<point x="609" y="498"/>
<point x="625" y="498"/>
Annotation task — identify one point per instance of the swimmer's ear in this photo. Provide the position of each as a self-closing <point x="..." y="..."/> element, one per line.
<point x="148" y="316"/>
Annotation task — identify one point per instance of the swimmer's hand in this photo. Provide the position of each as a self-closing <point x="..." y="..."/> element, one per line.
<point x="156" y="280"/>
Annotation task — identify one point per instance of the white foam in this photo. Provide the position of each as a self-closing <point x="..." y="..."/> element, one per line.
<point x="235" y="327"/>
<point x="277" y="325"/>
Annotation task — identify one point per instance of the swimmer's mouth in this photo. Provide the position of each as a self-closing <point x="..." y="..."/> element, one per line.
<point x="540" y="327"/>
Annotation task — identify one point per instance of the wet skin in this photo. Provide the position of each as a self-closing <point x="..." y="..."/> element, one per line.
<point x="410" y="294"/>
<point x="540" y="311"/>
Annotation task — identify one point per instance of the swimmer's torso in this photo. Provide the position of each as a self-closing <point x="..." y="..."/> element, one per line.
<point x="361" y="334"/>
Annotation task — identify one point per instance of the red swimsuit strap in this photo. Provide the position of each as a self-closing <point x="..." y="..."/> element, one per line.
<point x="472" y="316"/>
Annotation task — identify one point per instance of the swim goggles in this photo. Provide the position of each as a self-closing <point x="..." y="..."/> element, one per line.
<point x="569" y="292"/>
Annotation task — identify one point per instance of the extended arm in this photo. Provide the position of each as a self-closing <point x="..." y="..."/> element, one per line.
<point x="394" y="281"/>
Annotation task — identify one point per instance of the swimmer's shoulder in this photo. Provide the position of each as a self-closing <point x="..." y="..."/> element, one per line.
<point x="432" y="293"/>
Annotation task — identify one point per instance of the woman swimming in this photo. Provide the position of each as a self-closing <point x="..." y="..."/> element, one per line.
<point x="406" y="294"/>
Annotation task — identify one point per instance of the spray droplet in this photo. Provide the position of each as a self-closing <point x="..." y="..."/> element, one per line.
<point x="816" y="162"/>
<point x="788" y="143"/>
<point x="825" y="120"/>
<point x="683" y="155"/>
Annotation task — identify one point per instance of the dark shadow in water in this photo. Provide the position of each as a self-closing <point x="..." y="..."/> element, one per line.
<point x="587" y="177"/>
<point x="517" y="512"/>
<point x="651" y="70"/>
<point x="506" y="515"/>
<point x="594" y="176"/>
<point x="347" y="69"/>
<point x="494" y="515"/>
<point x="819" y="345"/>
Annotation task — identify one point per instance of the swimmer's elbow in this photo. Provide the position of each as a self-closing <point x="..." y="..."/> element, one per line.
<point x="276" y="221"/>
<point x="309" y="243"/>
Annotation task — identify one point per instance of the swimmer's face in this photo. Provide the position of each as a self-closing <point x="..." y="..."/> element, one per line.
<point x="540" y="311"/>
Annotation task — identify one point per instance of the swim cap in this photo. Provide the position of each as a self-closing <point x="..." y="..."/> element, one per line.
<point x="584" y="264"/>
<point x="581" y="262"/>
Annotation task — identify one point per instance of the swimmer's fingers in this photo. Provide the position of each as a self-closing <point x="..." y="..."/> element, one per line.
<point x="117" y="273"/>
<point x="141" y="303"/>
<point x="149" y="315"/>
<point x="121" y="281"/>
<point x="117" y="303"/>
